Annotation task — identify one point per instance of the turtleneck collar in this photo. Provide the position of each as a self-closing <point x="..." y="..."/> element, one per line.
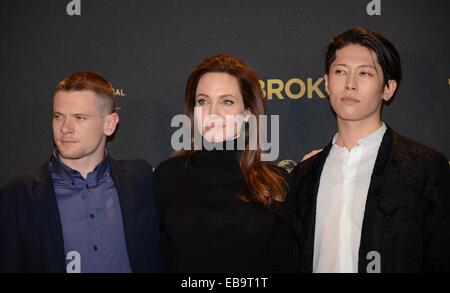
<point x="218" y="156"/>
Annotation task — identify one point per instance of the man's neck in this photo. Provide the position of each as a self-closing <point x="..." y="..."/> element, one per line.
<point x="350" y="132"/>
<point x="84" y="165"/>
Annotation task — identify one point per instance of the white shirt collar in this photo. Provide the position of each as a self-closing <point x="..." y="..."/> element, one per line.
<point x="373" y="138"/>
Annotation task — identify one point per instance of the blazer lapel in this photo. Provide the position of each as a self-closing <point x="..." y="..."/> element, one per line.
<point x="45" y="197"/>
<point x="127" y="205"/>
<point x="379" y="173"/>
<point x="309" y="190"/>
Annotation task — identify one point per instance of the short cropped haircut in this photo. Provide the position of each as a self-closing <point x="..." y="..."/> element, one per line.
<point x="91" y="81"/>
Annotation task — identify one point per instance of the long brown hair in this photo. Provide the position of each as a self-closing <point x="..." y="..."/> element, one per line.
<point x="266" y="184"/>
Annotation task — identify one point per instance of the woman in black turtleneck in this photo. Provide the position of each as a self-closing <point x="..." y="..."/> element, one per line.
<point x="219" y="203"/>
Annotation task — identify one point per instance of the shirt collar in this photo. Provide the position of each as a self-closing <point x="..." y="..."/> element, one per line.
<point x="372" y="139"/>
<point x="70" y="175"/>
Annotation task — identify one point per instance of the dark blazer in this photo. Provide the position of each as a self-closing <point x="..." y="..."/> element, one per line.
<point x="31" y="238"/>
<point x="407" y="214"/>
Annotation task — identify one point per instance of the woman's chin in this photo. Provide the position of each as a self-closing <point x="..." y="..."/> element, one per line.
<point x="213" y="139"/>
<point x="217" y="137"/>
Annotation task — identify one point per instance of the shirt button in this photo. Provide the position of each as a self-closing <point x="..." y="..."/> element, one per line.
<point x="87" y="186"/>
<point x="92" y="216"/>
<point x="95" y="247"/>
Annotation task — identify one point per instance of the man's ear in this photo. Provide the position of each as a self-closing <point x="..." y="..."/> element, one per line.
<point x="325" y="77"/>
<point x="110" y="124"/>
<point x="389" y="90"/>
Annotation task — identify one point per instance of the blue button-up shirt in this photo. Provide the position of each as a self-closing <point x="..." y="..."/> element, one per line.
<point x="91" y="217"/>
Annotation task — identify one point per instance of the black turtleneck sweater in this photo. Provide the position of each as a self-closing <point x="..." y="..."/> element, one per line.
<point x="205" y="227"/>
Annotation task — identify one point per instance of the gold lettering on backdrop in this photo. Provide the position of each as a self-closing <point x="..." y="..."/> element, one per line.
<point x="288" y="165"/>
<point x="288" y="90"/>
<point x="314" y="88"/>
<point x="294" y="88"/>
<point x="274" y="86"/>
<point x="263" y="85"/>
<point x="119" y="92"/>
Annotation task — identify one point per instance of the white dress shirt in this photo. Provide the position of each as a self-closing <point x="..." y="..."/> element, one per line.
<point x="341" y="202"/>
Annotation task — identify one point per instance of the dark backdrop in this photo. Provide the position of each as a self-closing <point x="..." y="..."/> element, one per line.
<point x="146" y="49"/>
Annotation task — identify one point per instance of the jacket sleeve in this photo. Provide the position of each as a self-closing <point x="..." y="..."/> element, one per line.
<point x="437" y="220"/>
<point x="10" y="255"/>
<point x="161" y="181"/>
<point x="283" y="254"/>
<point x="151" y="227"/>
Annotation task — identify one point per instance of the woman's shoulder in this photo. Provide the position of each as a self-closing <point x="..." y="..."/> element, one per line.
<point x="277" y="169"/>
<point x="171" y="165"/>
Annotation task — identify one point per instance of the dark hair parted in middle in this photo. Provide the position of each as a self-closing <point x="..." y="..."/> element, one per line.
<point x="386" y="53"/>
<point x="266" y="183"/>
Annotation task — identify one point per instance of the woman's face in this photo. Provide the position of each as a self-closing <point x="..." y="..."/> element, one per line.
<point x="219" y="107"/>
